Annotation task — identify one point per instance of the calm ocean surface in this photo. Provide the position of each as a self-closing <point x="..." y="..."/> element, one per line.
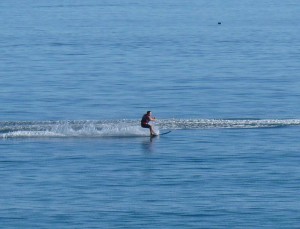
<point x="76" y="77"/>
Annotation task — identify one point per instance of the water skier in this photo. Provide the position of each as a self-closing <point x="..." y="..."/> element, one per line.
<point x="145" y="122"/>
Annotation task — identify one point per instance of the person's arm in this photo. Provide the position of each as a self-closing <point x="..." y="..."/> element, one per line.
<point x="152" y="118"/>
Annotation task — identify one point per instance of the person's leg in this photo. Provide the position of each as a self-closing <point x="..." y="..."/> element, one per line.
<point x="149" y="127"/>
<point x="151" y="131"/>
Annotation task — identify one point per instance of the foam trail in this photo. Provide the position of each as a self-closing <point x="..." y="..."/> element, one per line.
<point x="227" y="123"/>
<point x="61" y="129"/>
<point x="126" y="128"/>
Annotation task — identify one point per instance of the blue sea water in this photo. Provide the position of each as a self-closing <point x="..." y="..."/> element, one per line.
<point x="76" y="77"/>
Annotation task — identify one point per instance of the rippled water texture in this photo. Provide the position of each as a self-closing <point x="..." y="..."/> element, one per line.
<point x="77" y="76"/>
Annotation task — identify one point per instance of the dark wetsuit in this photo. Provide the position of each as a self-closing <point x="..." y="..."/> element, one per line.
<point x="145" y="121"/>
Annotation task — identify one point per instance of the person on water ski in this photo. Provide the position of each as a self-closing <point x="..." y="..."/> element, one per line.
<point x="145" y="122"/>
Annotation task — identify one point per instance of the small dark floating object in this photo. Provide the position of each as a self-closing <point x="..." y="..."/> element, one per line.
<point x="219" y="23"/>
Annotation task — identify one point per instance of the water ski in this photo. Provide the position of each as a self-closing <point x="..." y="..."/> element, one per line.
<point x="155" y="135"/>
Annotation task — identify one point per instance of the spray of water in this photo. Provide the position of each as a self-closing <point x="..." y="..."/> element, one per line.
<point x="126" y="128"/>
